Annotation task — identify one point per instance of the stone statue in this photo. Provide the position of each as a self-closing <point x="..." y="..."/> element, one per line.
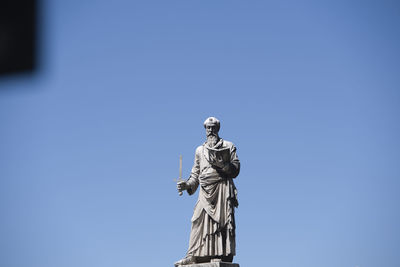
<point x="212" y="236"/>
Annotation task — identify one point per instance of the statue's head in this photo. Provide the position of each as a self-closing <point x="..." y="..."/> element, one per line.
<point x="212" y="125"/>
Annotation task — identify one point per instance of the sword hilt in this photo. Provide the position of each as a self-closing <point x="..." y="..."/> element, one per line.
<point x="178" y="180"/>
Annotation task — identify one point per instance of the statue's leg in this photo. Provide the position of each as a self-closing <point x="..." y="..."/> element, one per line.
<point x="185" y="261"/>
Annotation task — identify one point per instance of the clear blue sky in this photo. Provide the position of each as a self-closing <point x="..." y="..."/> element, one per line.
<point x="307" y="90"/>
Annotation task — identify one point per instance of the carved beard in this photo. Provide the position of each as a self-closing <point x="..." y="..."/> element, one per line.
<point x="212" y="140"/>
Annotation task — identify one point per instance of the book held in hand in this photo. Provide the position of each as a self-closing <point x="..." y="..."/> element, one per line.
<point x="218" y="156"/>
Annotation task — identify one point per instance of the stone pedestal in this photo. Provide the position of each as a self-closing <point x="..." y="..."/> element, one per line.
<point x="213" y="264"/>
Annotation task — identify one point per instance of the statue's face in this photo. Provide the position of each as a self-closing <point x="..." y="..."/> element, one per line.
<point x="211" y="130"/>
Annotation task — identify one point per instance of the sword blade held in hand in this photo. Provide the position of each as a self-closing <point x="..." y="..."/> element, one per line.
<point x="180" y="173"/>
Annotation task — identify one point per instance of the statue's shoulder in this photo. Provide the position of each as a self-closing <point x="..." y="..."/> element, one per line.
<point x="228" y="143"/>
<point x="199" y="149"/>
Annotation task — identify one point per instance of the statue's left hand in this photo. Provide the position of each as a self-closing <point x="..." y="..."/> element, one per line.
<point x="218" y="162"/>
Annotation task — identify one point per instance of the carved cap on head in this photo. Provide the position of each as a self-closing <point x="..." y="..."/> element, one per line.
<point x="212" y="121"/>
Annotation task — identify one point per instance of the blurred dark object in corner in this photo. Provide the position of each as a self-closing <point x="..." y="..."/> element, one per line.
<point x="18" y="34"/>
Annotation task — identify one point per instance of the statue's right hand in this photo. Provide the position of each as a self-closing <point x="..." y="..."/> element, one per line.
<point x="181" y="186"/>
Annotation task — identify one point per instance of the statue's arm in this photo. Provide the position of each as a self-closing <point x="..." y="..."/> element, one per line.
<point x="193" y="181"/>
<point x="232" y="168"/>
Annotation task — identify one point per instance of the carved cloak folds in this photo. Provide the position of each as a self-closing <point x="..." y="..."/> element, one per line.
<point x="213" y="222"/>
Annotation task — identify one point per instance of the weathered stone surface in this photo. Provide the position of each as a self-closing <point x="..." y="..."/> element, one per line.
<point x="213" y="264"/>
<point x="215" y="166"/>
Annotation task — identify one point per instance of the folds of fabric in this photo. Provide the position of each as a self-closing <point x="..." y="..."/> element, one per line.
<point x="213" y="222"/>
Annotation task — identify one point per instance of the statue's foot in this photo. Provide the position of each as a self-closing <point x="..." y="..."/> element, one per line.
<point x="185" y="261"/>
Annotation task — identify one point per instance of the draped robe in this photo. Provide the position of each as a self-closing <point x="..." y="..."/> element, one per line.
<point x="213" y="223"/>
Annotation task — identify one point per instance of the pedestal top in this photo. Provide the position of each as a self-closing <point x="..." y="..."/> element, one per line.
<point x="213" y="264"/>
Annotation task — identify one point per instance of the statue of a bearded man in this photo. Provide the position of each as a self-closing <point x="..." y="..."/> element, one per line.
<point x="212" y="236"/>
